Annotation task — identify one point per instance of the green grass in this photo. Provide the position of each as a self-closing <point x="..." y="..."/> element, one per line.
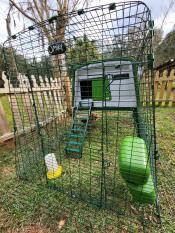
<point x="165" y="121"/>
<point x="25" y="207"/>
<point x="6" y="105"/>
<point x="165" y="103"/>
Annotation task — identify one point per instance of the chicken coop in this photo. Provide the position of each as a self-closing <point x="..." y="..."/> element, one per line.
<point x="81" y="89"/>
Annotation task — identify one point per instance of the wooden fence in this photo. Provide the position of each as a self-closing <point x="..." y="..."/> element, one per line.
<point x="48" y="96"/>
<point x="164" y="87"/>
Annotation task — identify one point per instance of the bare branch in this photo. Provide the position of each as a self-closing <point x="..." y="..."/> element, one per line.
<point x="59" y="4"/>
<point x="8" y="21"/>
<point x="167" y="12"/>
<point x="22" y="11"/>
<point x="38" y="10"/>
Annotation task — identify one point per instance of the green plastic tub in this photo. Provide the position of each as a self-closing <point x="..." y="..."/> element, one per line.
<point x="143" y="193"/>
<point x="133" y="160"/>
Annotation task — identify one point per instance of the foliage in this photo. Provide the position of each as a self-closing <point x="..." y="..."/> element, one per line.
<point x="18" y="59"/>
<point x="129" y="44"/>
<point x="166" y="49"/>
<point x="41" y="68"/>
<point x="32" y="67"/>
<point x="158" y="36"/>
<point x="83" y="50"/>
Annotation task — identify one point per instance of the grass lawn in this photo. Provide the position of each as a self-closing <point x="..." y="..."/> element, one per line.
<point x="25" y="207"/>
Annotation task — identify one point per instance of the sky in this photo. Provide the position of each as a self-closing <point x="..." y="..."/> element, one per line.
<point x="158" y="9"/>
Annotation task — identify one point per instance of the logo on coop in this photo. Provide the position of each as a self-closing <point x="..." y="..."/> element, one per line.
<point x="57" y="48"/>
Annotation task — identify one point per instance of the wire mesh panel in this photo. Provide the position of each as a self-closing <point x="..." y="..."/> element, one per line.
<point x="81" y="95"/>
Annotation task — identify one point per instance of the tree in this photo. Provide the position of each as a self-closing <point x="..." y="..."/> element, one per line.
<point x="130" y="44"/>
<point x="20" y="63"/>
<point x="83" y="50"/>
<point x="158" y="36"/>
<point x="135" y="41"/>
<point x="166" y="49"/>
<point x="169" y="8"/>
<point x="37" y="11"/>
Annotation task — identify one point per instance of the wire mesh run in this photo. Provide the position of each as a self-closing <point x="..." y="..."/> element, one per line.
<point x="82" y="100"/>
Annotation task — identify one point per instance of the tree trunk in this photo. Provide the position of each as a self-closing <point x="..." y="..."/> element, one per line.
<point x="61" y="75"/>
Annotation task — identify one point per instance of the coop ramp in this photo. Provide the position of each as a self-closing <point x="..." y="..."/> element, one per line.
<point x="78" y="131"/>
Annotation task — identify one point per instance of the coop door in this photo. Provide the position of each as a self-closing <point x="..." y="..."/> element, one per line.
<point x="86" y="89"/>
<point x="101" y="89"/>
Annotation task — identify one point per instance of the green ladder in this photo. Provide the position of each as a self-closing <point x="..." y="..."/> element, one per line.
<point x="78" y="132"/>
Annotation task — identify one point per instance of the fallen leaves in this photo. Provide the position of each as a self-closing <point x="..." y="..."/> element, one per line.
<point x="62" y="222"/>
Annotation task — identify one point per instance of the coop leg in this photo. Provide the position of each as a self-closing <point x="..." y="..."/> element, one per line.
<point x="137" y="122"/>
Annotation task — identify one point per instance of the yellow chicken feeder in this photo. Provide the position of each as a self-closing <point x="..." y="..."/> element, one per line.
<point x="54" y="171"/>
